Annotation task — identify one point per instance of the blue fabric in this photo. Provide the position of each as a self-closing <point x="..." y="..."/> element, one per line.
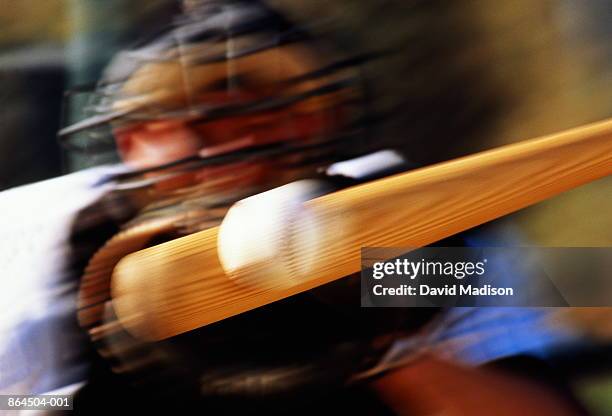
<point x="481" y="334"/>
<point x="476" y="335"/>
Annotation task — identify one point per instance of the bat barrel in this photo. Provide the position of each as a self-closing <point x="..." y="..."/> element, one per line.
<point x="206" y="277"/>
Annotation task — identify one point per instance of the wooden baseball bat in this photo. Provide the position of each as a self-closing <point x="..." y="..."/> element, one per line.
<point x="271" y="246"/>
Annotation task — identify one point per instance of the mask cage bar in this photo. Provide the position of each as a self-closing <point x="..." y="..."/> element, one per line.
<point x="184" y="32"/>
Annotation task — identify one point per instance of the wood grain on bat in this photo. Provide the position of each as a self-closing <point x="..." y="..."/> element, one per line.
<point x="180" y="285"/>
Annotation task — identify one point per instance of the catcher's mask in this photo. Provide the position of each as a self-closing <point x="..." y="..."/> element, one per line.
<point x="225" y="83"/>
<point x="232" y="97"/>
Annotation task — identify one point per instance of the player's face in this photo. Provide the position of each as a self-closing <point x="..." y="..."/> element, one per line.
<point x="154" y="143"/>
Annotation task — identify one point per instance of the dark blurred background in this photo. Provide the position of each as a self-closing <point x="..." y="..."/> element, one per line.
<point x="47" y="48"/>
